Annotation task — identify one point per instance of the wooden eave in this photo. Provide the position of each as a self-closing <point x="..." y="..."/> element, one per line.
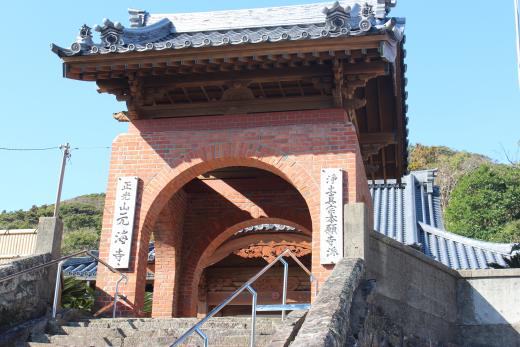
<point x="347" y="72"/>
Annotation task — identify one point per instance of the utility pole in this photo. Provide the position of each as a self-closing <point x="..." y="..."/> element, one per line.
<point x="517" y="27"/>
<point x="66" y="155"/>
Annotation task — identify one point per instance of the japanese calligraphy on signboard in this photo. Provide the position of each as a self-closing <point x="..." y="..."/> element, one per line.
<point x="123" y="223"/>
<point x="331" y="216"/>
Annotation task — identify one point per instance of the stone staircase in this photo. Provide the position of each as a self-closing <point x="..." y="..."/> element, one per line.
<point x="149" y="332"/>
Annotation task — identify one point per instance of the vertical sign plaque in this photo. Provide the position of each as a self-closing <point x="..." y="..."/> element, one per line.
<point x="123" y="223"/>
<point x="331" y="216"/>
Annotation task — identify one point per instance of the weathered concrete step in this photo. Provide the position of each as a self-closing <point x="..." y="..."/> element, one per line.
<point x="228" y="340"/>
<point x="175" y="331"/>
<point x="165" y="324"/>
<point x="40" y="344"/>
<point x="97" y="341"/>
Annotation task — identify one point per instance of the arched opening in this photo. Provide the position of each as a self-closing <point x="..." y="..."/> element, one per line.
<point x="219" y="221"/>
<point x="242" y="256"/>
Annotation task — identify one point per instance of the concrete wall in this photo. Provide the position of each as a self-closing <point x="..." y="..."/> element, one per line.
<point x="432" y="302"/>
<point x="24" y="297"/>
<point x="489" y="307"/>
<point x="417" y="293"/>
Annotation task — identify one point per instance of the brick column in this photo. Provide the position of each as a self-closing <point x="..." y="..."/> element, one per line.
<point x="168" y="241"/>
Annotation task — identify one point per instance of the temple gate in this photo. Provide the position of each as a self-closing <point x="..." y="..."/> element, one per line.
<point x="232" y="120"/>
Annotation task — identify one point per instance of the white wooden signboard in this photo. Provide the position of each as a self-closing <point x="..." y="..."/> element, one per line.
<point x="331" y="216"/>
<point x="123" y="223"/>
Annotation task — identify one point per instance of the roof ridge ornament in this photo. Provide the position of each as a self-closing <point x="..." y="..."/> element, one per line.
<point x="338" y="17"/>
<point x="111" y="33"/>
<point x="367" y="13"/>
<point x="83" y="41"/>
<point x="138" y="18"/>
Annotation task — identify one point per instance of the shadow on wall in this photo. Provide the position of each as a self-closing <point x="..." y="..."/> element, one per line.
<point x="489" y="307"/>
<point x="435" y="303"/>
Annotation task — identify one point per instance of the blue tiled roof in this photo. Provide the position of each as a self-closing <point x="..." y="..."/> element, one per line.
<point x="251" y="26"/>
<point x="410" y="212"/>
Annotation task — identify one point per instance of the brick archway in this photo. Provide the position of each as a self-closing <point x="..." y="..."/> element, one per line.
<point x="174" y="175"/>
<point x="166" y="154"/>
<point x="190" y="291"/>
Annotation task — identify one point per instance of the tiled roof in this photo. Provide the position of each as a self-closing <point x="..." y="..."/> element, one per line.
<point x="288" y="23"/>
<point x="410" y="213"/>
<point x="257" y="17"/>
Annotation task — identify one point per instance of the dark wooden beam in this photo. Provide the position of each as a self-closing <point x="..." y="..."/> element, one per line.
<point x="388" y="138"/>
<point x="235" y="107"/>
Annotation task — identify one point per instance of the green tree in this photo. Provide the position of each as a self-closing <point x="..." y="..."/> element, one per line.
<point x="78" y="240"/>
<point x="451" y="165"/>
<point x="485" y="203"/>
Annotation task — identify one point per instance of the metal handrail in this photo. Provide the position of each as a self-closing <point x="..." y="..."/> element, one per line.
<point x="57" y="287"/>
<point x="247" y="286"/>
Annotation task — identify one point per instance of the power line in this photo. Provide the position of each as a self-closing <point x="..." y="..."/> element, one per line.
<point x="51" y="148"/>
<point x="94" y="147"/>
<point x="29" y="149"/>
<point x="517" y="28"/>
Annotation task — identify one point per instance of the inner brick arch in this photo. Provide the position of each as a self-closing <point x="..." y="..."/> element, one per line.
<point x="188" y="308"/>
<point x="236" y="244"/>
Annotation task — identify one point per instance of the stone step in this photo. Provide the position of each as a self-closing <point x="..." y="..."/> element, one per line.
<point x="97" y="341"/>
<point x="223" y="340"/>
<point x="132" y="332"/>
<point x="164" y="324"/>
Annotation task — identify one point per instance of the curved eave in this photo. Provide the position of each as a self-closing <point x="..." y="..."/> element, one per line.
<point x="502" y="248"/>
<point x="60" y="51"/>
<point x="459" y="252"/>
<point x="244" y="37"/>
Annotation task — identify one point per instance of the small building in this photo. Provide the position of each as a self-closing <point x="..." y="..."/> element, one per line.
<point x="17" y="243"/>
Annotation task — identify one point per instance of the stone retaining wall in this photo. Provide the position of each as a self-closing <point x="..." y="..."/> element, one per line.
<point x="27" y="296"/>
<point x="328" y="320"/>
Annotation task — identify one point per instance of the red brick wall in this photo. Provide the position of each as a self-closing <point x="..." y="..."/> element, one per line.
<point x="166" y="154"/>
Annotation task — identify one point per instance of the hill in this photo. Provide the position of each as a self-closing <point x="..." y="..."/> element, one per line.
<point x="451" y="165"/>
<point x="81" y="219"/>
<point x="479" y="198"/>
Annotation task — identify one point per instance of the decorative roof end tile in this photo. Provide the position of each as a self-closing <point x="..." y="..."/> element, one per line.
<point x="111" y="33"/>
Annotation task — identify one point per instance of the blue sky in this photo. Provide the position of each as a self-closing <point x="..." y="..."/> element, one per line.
<point x="463" y="90"/>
